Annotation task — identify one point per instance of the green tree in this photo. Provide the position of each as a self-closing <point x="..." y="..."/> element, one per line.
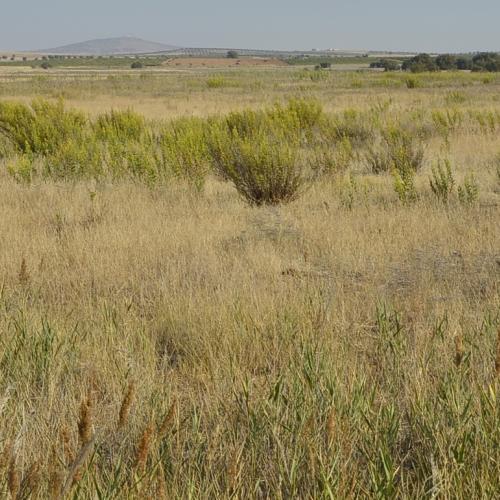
<point x="420" y="64"/>
<point x="446" y="62"/>
<point x="464" y="63"/>
<point x="486" y="61"/>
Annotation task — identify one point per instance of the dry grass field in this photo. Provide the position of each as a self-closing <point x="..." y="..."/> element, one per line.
<point x="161" y="337"/>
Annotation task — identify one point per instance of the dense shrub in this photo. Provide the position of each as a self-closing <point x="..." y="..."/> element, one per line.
<point x="120" y="126"/>
<point x="356" y="126"/>
<point x="298" y="119"/>
<point x="387" y="64"/>
<point x="185" y="151"/>
<point x="266" y="167"/>
<point x="40" y="128"/>
<point x="442" y="181"/>
<point x="396" y="149"/>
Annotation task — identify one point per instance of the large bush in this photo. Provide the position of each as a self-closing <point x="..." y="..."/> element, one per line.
<point x="266" y="167"/>
<point x="40" y="128"/>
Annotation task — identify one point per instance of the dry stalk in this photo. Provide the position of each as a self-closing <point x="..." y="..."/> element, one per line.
<point x="75" y="466"/>
<point x="233" y="470"/>
<point x="330" y="427"/>
<point x="497" y="358"/>
<point x="168" y="421"/>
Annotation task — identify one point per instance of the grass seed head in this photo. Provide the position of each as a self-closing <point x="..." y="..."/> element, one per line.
<point x="13" y="478"/>
<point x="144" y="447"/>
<point x="23" y="276"/>
<point x="85" y="422"/>
<point x="459" y="350"/>
<point x="126" y="405"/>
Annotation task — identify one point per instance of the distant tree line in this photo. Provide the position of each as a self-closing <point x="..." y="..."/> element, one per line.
<point x="484" y="61"/>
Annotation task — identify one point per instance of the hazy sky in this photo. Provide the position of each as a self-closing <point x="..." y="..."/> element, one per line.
<point x="423" y="25"/>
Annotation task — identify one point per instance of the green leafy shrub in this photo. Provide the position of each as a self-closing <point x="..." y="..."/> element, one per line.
<point x="120" y="126"/>
<point x="442" y="181"/>
<point x="22" y="168"/>
<point x="468" y="192"/>
<point x="298" y="119"/>
<point x="358" y="127"/>
<point x="265" y="168"/>
<point x="308" y="111"/>
<point x="40" y="128"/>
<point x="405" y="149"/>
<point x="404" y="184"/>
<point x="185" y="151"/>
<point x="447" y="121"/>
<point x="75" y="159"/>
<point x="396" y="148"/>
<point x="333" y="159"/>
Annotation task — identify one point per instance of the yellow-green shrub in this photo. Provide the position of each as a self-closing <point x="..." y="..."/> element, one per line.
<point x="265" y="168"/>
<point x="40" y="128"/>
<point x="120" y="126"/>
<point x="184" y="150"/>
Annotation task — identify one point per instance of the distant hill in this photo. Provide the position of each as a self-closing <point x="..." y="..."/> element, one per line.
<point x="110" y="46"/>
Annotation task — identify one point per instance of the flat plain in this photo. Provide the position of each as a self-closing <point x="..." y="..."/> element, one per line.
<point x="161" y="337"/>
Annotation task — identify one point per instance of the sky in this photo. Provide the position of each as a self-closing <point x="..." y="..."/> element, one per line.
<point x="409" y="25"/>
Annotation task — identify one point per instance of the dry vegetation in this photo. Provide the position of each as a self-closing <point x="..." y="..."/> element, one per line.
<point x="165" y="335"/>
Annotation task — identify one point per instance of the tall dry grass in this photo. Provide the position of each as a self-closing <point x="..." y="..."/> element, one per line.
<point x="160" y="341"/>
